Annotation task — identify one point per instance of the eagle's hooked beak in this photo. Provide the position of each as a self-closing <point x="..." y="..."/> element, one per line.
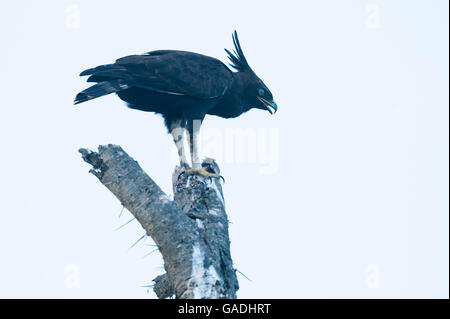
<point x="270" y="106"/>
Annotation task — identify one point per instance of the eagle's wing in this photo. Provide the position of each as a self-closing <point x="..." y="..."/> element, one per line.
<point x="169" y="72"/>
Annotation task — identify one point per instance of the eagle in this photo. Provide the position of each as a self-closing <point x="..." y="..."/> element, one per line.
<point x="183" y="87"/>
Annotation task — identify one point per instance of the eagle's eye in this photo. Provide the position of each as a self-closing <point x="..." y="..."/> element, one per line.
<point x="261" y="92"/>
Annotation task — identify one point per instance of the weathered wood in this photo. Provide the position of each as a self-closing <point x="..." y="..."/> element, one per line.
<point x="191" y="231"/>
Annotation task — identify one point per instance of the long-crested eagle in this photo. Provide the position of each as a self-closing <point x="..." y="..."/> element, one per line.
<point x="183" y="87"/>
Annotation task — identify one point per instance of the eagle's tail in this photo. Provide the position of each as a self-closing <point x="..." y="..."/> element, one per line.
<point x="100" y="89"/>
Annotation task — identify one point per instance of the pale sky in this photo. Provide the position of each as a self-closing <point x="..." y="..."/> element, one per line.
<point x="344" y="192"/>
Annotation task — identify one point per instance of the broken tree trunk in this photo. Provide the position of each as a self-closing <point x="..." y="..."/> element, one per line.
<point x="191" y="231"/>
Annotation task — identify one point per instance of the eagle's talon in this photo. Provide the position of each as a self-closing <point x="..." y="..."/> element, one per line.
<point x="220" y="177"/>
<point x="203" y="172"/>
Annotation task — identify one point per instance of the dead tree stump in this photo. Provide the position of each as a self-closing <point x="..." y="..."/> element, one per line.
<point x="191" y="231"/>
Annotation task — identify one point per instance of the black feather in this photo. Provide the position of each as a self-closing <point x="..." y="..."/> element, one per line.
<point x="100" y="89"/>
<point x="96" y="69"/>
<point x="238" y="60"/>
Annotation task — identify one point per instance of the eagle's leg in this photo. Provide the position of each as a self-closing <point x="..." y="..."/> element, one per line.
<point x="194" y="133"/>
<point x="178" y="131"/>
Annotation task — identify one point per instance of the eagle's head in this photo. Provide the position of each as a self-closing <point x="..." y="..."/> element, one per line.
<point x="256" y="93"/>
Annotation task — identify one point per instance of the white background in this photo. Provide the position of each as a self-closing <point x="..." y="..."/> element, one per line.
<point x="358" y="206"/>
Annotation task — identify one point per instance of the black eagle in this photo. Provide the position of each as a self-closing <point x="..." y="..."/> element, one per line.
<point x="183" y="87"/>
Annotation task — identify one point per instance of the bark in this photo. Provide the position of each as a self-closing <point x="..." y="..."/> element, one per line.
<point x="191" y="231"/>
